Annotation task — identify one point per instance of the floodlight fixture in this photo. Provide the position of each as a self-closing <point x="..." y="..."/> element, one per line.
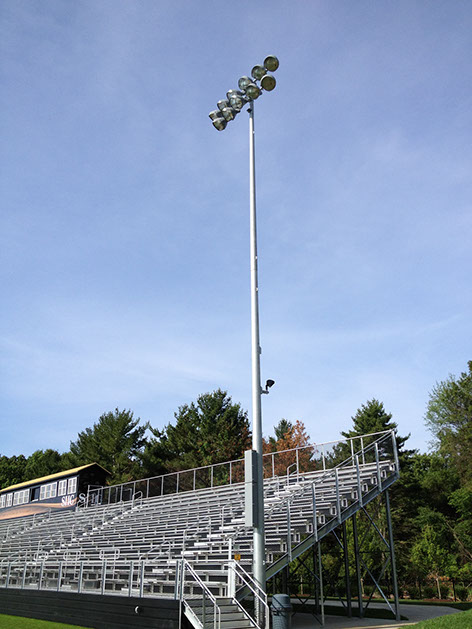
<point x="268" y="82"/>
<point x="271" y="63"/>
<point x="258" y="72"/>
<point x="243" y="82"/>
<point x="229" y="113"/>
<point x="253" y="91"/>
<point x="221" y="104"/>
<point x="218" y="120"/>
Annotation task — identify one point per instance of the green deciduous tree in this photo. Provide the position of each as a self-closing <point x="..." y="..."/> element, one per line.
<point x="449" y="417"/>
<point x="42" y="463"/>
<point x="12" y="470"/>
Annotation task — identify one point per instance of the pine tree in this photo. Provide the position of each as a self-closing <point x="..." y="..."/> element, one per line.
<point x="116" y="442"/>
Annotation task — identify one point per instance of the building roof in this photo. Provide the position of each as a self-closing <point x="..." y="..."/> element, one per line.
<point x="35" y="481"/>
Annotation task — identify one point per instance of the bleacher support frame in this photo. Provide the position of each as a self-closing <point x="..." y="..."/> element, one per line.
<point x="127" y="539"/>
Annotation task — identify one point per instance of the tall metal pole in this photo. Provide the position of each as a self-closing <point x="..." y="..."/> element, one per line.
<point x="259" y="537"/>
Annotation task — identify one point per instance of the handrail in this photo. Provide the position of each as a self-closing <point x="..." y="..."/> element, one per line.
<point x="320" y="447"/>
<point x="185" y="565"/>
<point x="253" y="586"/>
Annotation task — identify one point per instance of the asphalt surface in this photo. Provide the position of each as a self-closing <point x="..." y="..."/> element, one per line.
<point x="414" y="613"/>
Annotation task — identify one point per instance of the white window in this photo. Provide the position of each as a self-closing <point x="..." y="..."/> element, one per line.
<point x="72" y="485"/>
<point x="21" y="497"/>
<point x="9" y="499"/>
<point x="48" y="491"/>
<point x="3" y="499"/>
<point x="62" y="489"/>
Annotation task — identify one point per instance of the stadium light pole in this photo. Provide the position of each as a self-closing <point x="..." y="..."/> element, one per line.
<point x="236" y="100"/>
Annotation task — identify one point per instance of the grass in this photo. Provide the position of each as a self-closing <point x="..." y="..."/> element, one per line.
<point x="18" y="622"/>
<point x="455" y="621"/>
<point x="456" y="605"/>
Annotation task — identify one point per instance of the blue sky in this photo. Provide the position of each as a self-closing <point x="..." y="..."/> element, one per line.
<point x="125" y="214"/>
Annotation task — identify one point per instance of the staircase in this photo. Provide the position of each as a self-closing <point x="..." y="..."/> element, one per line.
<point x="299" y="511"/>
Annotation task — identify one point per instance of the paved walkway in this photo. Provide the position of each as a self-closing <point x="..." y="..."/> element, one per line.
<point x="414" y="613"/>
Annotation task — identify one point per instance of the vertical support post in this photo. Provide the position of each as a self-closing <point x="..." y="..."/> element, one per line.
<point x="104" y="575"/>
<point x="141" y="579"/>
<point x="320" y="570"/>
<point x="177" y="483"/>
<point x="41" y="570"/>
<point x="23" y="580"/>
<point x="377" y="461"/>
<point x="130" y="578"/>
<point x="315" y="520"/>
<point x="8" y="574"/>
<point x="147" y="488"/>
<point x="258" y="534"/>
<point x="59" y="576"/>
<point x="338" y="499"/>
<point x="346" y="571"/>
<point x="359" y="484"/>
<point x="358" y="566"/>
<point x="392" y="556"/>
<point x="81" y="574"/>
<point x="289" y="534"/>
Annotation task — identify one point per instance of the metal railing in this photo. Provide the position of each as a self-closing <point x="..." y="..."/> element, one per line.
<point x="237" y="576"/>
<point x="186" y="577"/>
<point x="309" y="458"/>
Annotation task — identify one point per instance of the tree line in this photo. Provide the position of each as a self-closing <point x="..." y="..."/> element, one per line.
<point x="431" y="503"/>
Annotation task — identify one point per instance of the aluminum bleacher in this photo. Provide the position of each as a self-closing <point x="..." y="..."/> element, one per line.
<point x="178" y="535"/>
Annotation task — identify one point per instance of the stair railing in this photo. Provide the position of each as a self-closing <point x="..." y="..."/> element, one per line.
<point x="183" y="568"/>
<point x="237" y="573"/>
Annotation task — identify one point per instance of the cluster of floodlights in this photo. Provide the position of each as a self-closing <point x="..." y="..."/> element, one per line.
<point x="249" y="90"/>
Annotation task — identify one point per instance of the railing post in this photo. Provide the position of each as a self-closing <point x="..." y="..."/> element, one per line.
<point x="204" y="609"/>
<point x="81" y="574"/>
<point x="315" y="521"/>
<point x="194" y="479"/>
<point x="211" y="473"/>
<point x="362" y="450"/>
<point x="395" y="452"/>
<point x="323" y="457"/>
<point x="141" y="580"/>
<point x="338" y="500"/>
<point x="230" y="472"/>
<point x="104" y="576"/>
<point x="379" y="478"/>
<point x="8" y="574"/>
<point x="298" y="464"/>
<point x="41" y="569"/>
<point x="147" y="488"/>
<point x="289" y="536"/>
<point x="23" y="581"/>
<point x="177" y="483"/>
<point x="273" y="465"/>
<point x="59" y="576"/>
<point x="130" y="581"/>
<point x="359" y="484"/>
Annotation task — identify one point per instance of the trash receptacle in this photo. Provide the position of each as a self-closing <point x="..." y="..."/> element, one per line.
<point x="281" y="608"/>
